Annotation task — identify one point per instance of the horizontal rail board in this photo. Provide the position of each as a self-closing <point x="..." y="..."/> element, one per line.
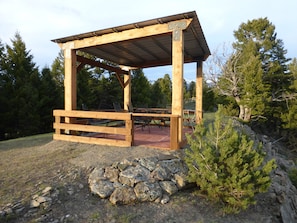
<point x="154" y="115"/>
<point x="93" y="114"/>
<point x="92" y="140"/>
<point x="91" y="128"/>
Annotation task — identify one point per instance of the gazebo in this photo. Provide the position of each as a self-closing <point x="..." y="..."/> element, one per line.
<point x="171" y="40"/>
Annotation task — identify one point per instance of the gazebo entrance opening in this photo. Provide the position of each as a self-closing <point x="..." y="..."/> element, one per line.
<point x="174" y="40"/>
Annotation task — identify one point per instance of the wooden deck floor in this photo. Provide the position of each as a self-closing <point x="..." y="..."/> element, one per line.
<point x="155" y="136"/>
<point x="150" y="136"/>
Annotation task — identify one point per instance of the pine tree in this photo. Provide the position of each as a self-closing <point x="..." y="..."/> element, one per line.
<point x="276" y="78"/>
<point x="166" y="87"/>
<point x="57" y="70"/>
<point x="289" y="116"/>
<point x="5" y="91"/>
<point x="23" y="76"/>
<point x="157" y="98"/>
<point x="50" y="99"/>
<point x="226" y="165"/>
<point x="140" y="89"/>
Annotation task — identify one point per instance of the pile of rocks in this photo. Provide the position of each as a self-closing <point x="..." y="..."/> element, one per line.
<point x="283" y="193"/>
<point x="142" y="179"/>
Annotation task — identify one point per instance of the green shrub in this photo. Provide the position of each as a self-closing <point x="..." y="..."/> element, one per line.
<point x="293" y="176"/>
<point x="226" y="165"/>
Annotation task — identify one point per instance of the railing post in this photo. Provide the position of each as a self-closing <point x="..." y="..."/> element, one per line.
<point x="174" y="120"/>
<point x="58" y="121"/>
<point x="130" y="130"/>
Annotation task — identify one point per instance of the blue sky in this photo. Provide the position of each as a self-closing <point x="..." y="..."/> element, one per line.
<point x="40" y="21"/>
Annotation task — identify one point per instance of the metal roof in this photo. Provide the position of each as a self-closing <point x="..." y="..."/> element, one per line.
<point x="148" y="51"/>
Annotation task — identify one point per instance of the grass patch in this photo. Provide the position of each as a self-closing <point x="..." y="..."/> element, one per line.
<point x="25" y="142"/>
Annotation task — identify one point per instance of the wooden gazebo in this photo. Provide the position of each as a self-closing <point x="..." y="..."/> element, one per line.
<point x="172" y="40"/>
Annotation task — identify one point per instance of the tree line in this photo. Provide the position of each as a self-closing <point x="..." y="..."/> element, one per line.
<point x="28" y="96"/>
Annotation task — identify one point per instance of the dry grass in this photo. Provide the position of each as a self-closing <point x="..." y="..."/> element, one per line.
<point x="28" y="165"/>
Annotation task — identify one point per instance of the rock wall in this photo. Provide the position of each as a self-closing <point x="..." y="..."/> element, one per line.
<point x="282" y="192"/>
<point x="143" y="179"/>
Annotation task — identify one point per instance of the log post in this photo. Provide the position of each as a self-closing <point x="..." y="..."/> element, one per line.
<point x="178" y="71"/>
<point x="199" y="92"/>
<point x="127" y="91"/>
<point x="70" y="80"/>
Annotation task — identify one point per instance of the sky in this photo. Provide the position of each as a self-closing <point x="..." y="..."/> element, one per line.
<point x="40" y="21"/>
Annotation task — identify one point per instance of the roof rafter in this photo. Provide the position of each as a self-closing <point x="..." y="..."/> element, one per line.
<point x="94" y="63"/>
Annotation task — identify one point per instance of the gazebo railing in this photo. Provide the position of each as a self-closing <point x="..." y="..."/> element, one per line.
<point x="93" y="127"/>
<point x="105" y="128"/>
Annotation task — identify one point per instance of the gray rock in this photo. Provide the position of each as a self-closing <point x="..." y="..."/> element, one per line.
<point x="161" y="173"/>
<point x="38" y="200"/>
<point x="174" y="165"/>
<point x="149" y="163"/>
<point x="47" y="191"/>
<point x="146" y="191"/>
<point x="34" y="204"/>
<point x="169" y="187"/>
<point x="96" y="174"/>
<point x="102" y="188"/>
<point x="112" y="174"/>
<point x="180" y="180"/>
<point x="123" y="195"/>
<point x="165" y="199"/>
<point x="133" y="175"/>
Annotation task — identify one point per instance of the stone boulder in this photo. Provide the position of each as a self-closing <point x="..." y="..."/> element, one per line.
<point x="146" y="191"/>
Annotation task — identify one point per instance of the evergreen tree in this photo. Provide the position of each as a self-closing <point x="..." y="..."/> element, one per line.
<point x="140" y="91"/>
<point x="192" y="89"/>
<point x="186" y="91"/>
<point x="157" y="98"/>
<point x="23" y="78"/>
<point x="84" y="91"/>
<point x="253" y="96"/>
<point x="226" y="165"/>
<point x="260" y="33"/>
<point x="166" y="87"/>
<point x="208" y="97"/>
<point x="5" y="91"/>
<point x="57" y="70"/>
<point x="50" y="99"/>
<point x="289" y="116"/>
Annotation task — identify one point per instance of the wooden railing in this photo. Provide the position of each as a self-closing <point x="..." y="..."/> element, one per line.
<point x="96" y="127"/>
<point x="78" y="126"/>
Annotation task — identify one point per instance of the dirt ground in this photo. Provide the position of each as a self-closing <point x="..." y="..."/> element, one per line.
<point x="26" y="170"/>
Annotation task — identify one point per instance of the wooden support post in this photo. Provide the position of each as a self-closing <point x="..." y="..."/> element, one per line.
<point x="199" y="92"/>
<point x="177" y="72"/>
<point x="70" y="87"/>
<point x="70" y="79"/>
<point x="127" y="91"/>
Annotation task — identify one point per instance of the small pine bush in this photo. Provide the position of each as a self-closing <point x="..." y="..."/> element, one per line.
<point x="293" y="176"/>
<point x="226" y="165"/>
